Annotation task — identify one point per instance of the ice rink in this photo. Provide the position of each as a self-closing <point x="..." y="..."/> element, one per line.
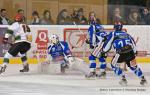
<point x="72" y="83"/>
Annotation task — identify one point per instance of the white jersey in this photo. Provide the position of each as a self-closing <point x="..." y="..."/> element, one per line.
<point x="19" y="31"/>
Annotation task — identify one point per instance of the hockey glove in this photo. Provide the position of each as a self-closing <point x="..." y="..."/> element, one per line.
<point x="91" y="47"/>
<point x="87" y="41"/>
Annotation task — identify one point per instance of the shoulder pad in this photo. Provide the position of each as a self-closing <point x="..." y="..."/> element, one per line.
<point x="63" y="42"/>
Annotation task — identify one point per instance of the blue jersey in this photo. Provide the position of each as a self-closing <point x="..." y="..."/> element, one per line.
<point x="96" y="34"/>
<point x="118" y="40"/>
<point x="59" y="51"/>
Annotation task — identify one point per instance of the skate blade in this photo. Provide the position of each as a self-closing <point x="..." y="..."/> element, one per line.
<point x="123" y="84"/>
<point x="90" y="78"/>
<point x="2" y="74"/>
<point x="102" y="77"/>
<point x="145" y="84"/>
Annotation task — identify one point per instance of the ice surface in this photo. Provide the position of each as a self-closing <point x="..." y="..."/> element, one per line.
<point x="72" y="83"/>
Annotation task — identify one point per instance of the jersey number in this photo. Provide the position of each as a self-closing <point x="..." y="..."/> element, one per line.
<point x="26" y="28"/>
<point x="121" y="43"/>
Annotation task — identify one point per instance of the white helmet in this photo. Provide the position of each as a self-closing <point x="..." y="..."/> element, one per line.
<point x="54" y="39"/>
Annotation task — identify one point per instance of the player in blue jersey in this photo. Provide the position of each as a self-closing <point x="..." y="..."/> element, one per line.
<point x="60" y="53"/>
<point x="96" y="38"/>
<point x="125" y="49"/>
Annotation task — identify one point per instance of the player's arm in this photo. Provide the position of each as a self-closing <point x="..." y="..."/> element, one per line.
<point x="91" y="36"/>
<point x="108" y="43"/>
<point x="10" y="32"/>
<point x="67" y="51"/>
<point x="133" y="44"/>
<point x="68" y="54"/>
<point x="28" y="33"/>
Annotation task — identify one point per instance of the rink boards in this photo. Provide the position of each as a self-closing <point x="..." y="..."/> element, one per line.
<point x="141" y="60"/>
<point x="75" y="36"/>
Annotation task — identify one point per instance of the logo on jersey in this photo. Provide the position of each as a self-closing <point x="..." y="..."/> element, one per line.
<point x="53" y="49"/>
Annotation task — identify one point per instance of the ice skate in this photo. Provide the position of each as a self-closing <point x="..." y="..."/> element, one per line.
<point x="143" y="81"/>
<point x="101" y="75"/>
<point x="123" y="81"/>
<point x="2" y="69"/>
<point x="64" y="67"/>
<point x="25" y="68"/>
<point x="91" y="75"/>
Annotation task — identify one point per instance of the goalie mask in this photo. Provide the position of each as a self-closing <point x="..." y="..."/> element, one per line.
<point x="54" y="39"/>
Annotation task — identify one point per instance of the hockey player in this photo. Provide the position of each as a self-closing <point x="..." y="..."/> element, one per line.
<point x="60" y="53"/>
<point x="125" y="49"/>
<point x="96" y="38"/>
<point x="23" y="38"/>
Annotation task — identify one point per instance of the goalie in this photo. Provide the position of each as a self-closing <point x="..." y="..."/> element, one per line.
<point x="60" y="53"/>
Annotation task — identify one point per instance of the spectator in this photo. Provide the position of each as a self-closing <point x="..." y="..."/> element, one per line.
<point x="116" y="17"/>
<point x="36" y="18"/>
<point x="47" y="19"/>
<point x="21" y="11"/>
<point x="81" y="19"/>
<point x="63" y="18"/>
<point x="3" y="17"/>
<point x="74" y="15"/>
<point x="146" y="16"/>
<point x="134" y="18"/>
<point x="92" y="17"/>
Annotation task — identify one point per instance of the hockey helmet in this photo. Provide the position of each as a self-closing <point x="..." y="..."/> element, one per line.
<point x="118" y="26"/>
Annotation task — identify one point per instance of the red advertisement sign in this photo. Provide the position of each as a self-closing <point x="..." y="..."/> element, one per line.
<point x="42" y="39"/>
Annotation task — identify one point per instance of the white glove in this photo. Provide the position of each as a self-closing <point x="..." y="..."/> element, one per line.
<point x="71" y="61"/>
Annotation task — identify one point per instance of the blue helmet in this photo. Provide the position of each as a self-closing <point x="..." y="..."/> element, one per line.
<point x="118" y="26"/>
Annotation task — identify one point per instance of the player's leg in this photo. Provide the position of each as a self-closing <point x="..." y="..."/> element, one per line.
<point x="24" y="62"/>
<point x="136" y="69"/>
<point x="13" y="51"/>
<point x="138" y="72"/>
<point x="24" y="48"/>
<point x="116" y="68"/>
<point x="92" y="60"/>
<point x="102" y="67"/>
<point x="64" y="66"/>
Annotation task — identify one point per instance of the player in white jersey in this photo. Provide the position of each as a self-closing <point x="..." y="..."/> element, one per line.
<point x="22" y="43"/>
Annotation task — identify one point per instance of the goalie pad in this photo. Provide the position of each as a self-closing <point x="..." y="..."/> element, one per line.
<point x="48" y="67"/>
<point x="80" y="65"/>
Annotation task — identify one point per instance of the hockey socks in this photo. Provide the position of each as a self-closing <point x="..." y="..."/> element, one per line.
<point x="118" y="71"/>
<point x="137" y="71"/>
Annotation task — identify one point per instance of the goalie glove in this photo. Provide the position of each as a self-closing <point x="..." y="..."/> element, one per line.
<point x="71" y="61"/>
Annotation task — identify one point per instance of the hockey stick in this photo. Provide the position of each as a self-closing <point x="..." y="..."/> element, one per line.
<point x="79" y="29"/>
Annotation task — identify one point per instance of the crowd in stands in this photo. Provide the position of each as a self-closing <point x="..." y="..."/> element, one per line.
<point x="135" y="17"/>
